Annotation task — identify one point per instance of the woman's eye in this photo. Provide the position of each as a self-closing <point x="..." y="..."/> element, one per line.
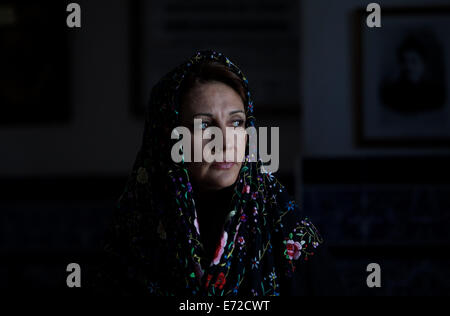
<point x="204" y="125"/>
<point x="238" y="123"/>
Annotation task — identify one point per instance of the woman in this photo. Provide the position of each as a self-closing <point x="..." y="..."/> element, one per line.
<point x="199" y="228"/>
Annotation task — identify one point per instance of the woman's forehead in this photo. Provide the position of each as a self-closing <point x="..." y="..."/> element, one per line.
<point x="213" y="97"/>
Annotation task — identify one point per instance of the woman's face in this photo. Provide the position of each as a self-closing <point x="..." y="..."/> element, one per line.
<point x="413" y="65"/>
<point x="217" y="105"/>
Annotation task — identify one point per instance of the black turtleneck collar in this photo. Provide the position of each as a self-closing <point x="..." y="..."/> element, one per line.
<point x="212" y="208"/>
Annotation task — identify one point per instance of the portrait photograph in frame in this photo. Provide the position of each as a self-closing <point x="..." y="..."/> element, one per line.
<point x="402" y="79"/>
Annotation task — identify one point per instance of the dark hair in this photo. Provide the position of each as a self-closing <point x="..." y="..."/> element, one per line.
<point x="411" y="44"/>
<point x="209" y="71"/>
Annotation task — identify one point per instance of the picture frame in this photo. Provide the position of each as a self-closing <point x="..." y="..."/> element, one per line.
<point x="34" y="58"/>
<point x="402" y="78"/>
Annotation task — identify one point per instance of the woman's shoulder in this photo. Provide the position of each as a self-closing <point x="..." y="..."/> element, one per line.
<point x="289" y="218"/>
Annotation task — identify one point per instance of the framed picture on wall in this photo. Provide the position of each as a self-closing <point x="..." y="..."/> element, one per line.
<point x="403" y="78"/>
<point x="33" y="63"/>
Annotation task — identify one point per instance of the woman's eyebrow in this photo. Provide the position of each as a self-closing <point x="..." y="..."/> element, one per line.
<point x="210" y="115"/>
<point x="204" y="114"/>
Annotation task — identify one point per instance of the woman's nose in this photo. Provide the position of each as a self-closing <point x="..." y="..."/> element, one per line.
<point x="228" y="150"/>
<point x="228" y="141"/>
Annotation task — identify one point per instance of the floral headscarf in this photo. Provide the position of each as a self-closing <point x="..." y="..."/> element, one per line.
<point x="153" y="244"/>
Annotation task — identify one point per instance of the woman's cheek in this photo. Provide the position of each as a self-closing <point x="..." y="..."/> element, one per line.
<point x="238" y="168"/>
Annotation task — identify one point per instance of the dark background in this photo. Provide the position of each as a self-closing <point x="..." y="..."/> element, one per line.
<point x="66" y="154"/>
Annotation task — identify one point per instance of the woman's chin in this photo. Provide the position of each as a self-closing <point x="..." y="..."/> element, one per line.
<point x="220" y="178"/>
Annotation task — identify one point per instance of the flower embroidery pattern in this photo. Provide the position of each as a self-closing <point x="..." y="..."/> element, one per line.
<point x="208" y="279"/>
<point x="196" y="225"/>
<point x="221" y="280"/>
<point x="255" y="263"/>
<point x="293" y="249"/>
<point x="220" y="248"/>
<point x="290" y="205"/>
<point x="272" y="276"/>
<point x="250" y="107"/>
<point x="302" y="235"/>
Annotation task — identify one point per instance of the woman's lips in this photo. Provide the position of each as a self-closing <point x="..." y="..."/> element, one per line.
<point x="222" y="165"/>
